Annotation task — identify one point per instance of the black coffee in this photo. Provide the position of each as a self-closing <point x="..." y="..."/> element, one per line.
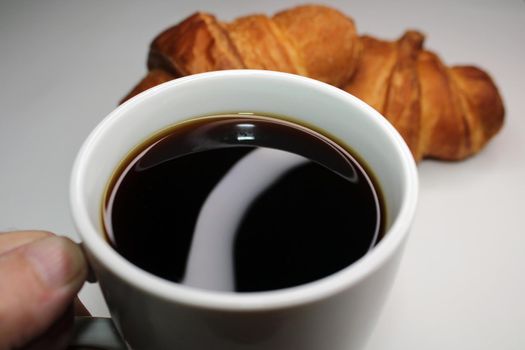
<point x="287" y="205"/>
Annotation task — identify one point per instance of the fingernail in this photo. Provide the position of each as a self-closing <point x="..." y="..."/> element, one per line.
<point x="57" y="261"/>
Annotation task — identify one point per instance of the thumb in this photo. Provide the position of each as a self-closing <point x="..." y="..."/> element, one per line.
<point x="38" y="282"/>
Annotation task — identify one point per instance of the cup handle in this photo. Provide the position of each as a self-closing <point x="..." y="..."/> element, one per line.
<point x="96" y="332"/>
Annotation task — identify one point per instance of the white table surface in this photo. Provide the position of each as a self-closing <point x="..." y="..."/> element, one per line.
<point x="65" y="64"/>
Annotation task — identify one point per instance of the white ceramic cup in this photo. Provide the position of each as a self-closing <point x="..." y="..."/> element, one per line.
<point x="335" y="313"/>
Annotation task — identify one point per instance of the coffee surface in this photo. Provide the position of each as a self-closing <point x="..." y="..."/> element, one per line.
<point x="315" y="216"/>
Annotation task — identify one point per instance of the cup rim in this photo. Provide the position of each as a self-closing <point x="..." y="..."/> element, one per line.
<point x="288" y="297"/>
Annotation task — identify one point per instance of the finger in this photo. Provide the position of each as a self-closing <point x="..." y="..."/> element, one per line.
<point x="39" y="281"/>
<point x="12" y="240"/>
<point x="57" y="336"/>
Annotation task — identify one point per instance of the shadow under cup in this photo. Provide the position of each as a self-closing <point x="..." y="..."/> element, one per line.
<point x="349" y="300"/>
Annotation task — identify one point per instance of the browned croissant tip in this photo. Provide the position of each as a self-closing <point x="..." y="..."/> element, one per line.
<point x="416" y="37"/>
<point x="484" y="100"/>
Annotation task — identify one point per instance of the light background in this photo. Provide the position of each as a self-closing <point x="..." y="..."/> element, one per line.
<point x="65" y="64"/>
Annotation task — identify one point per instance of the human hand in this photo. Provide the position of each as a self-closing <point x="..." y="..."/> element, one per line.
<point x="40" y="275"/>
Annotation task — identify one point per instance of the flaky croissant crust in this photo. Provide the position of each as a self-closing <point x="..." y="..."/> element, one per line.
<point x="442" y="112"/>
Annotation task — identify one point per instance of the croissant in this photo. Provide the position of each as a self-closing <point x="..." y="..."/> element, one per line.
<point x="441" y="112"/>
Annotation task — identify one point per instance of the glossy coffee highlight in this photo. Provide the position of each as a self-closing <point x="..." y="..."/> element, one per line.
<point x="242" y="203"/>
